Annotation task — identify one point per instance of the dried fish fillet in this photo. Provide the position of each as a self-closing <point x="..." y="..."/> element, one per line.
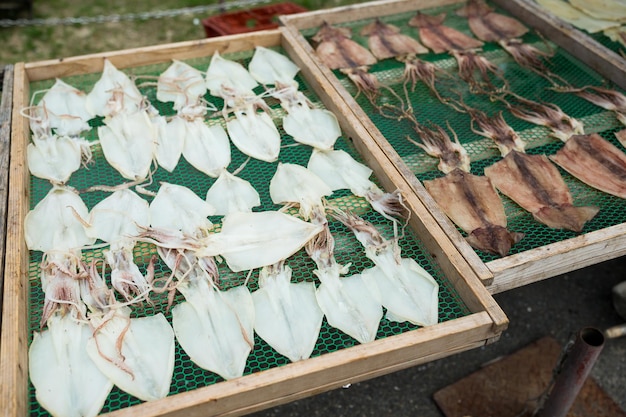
<point x="386" y="41"/>
<point x="473" y="204"/>
<point x="572" y="15"/>
<point x="537" y="186"/>
<point x="594" y="161"/>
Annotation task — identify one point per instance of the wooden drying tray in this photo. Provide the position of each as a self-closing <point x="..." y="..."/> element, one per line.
<point x="257" y="391"/>
<point x="514" y="270"/>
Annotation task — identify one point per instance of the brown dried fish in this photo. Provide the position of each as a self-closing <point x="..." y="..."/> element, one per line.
<point x="537" y="186"/>
<point x="594" y="161"/>
<point x="473" y="204"/>
<point x="386" y="41"/>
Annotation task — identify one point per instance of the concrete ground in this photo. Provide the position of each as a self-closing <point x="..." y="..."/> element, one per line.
<point x="559" y="307"/>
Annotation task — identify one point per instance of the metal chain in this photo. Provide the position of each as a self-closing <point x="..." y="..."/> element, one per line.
<point x="158" y="14"/>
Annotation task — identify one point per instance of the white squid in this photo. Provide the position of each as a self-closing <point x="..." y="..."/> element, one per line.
<point x="54" y="158"/>
<point x="405" y="289"/>
<point x="113" y="93"/>
<point x="346" y="302"/>
<point x="115" y="220"/>
<point x="310" y="126"/>
<point x="136" y="354"/>
<point x="340" y="171"/>
<point x="181" y="84"/>
<point x="66" y="110"/>
<point x="230" y="194"/>
<point x="128" y="142"/>
<point x="252" y="130"/>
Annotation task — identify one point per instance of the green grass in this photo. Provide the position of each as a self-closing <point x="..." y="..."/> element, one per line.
<point x="29" y="44"/>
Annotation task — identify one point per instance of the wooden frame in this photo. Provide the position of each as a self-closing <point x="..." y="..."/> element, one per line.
<point x="514" y="270"/>
<point x="275" y="386"/>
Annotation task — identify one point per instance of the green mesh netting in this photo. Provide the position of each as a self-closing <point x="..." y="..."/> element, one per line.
<point x="188" y="376"/>
<point x="428" y="109"/>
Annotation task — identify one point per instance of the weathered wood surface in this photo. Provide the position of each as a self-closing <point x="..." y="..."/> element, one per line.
<point x="6" y="105"/>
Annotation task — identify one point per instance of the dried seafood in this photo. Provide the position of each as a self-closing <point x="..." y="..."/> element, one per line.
<point x="65" y="109"/>
<point x="530" y="180"/>
<point x="113" y="93"/>
<point x="440" y="38"/>
<point x="549" y="115"/>
<point x="490" y="26"/>
<point x="470" y="201"/>
<point x="594" y="161"/>
<point x="230" y="194"/>
<point x="537" y="186"/>
<point x="345" y="301"/>
<point x="386" y="41"/>
<point x="576" y="17"/>
<point x="405" y="289"/>
<point x="337" y="51"/>
<point x="606" y="98"/>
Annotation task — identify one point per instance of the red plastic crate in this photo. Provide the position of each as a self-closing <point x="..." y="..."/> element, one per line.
<point x="243" y="21"/>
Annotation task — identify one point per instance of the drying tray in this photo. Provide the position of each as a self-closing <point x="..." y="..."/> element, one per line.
<point x="468" y="315"/>
<point x="543" y="252"/>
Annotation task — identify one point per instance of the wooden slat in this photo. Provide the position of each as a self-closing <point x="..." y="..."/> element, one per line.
<point x="313" y="376"/>
<point x="6" y="105"/>
<point x="599" y="58"/>
<point x="558" y="258"/>
<point x="359" y="11"/>
<point x="14" y="333"/>
<point x="86" y="64"/>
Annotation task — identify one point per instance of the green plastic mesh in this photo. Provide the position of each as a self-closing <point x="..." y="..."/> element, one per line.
<point x="429" y="110"/>
<point x="188" y="376"/>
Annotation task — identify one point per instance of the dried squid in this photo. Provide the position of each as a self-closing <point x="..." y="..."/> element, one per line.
<point x="405" y="289"/>
<point x="214" y="327"/>
<point x="128" y="143"/>
<point x="136" y="354"/>
<point x="530" y="180"/>
<point x="65" y="109"/>
<point x="113" y="93"/>
<point x="440" y="38"/>
<point x="230" y="194"/>
<point x="345" y="301"/>
<point x="251" y="130"/>
<point x="595" y="161"/>
<point x="115" y="220"/>
<point x="337" y="51"/>
<point x="470" y="201"/>
<point x="490" y="26"/>
<point x="183" y="85"/>
<point x="340" y="171"/>
<point x="269" y="67"/>
<point x="66" y="381"/>
<point x="52" y="157"/>
<point x="561" y="125"/>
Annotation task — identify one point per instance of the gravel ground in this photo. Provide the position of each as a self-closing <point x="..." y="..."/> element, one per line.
<point x="558" y="307"/>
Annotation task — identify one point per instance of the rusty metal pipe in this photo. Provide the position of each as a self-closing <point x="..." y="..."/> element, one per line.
<point x="573" y="372"/>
